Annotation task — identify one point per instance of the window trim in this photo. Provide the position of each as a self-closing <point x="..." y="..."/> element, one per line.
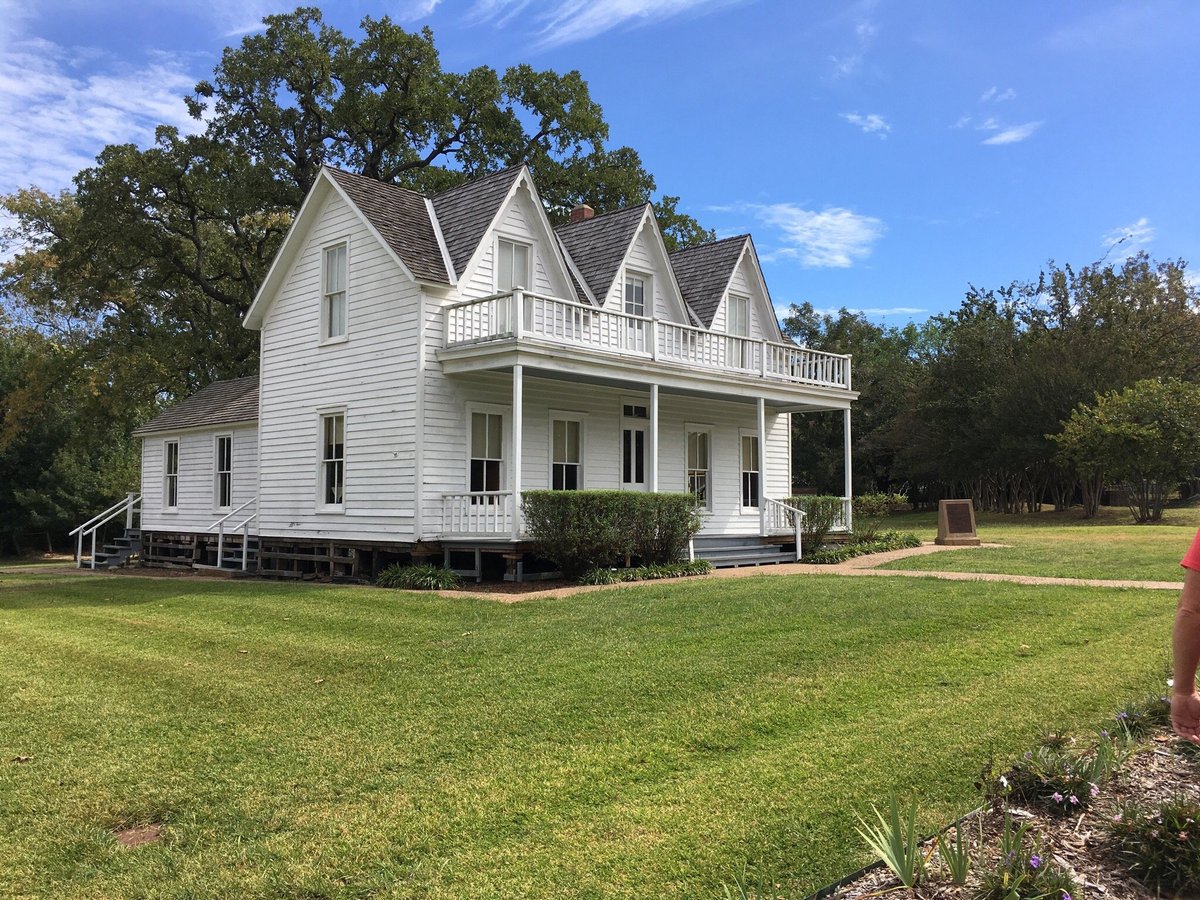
<point x="742" y="508"/>
<point x="217" y="471"/>
<point x="323" y="414"/>
<point x="690" y="428"/>
<point x="647" y="280"/>
<point x="562" y="415"/>
<point x="530" y="265"/>
<point x="505" y="413"/>
<point x="325" y="338"/>
<point x="168" y="475"/>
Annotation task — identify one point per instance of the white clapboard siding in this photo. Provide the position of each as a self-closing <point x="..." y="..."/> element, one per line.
<point x="371" y="376"/>
<point x="645" y="259"/>
<point x="745" y="284"/>
<point x="197" y="507"/>
<point x="516" y="222"/>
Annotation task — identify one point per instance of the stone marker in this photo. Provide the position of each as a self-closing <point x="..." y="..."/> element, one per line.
<point x="956" y="524"/>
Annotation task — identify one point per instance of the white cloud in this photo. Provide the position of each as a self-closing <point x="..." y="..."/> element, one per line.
<point x="416" y="10"/>
<point x="54" y="118"/>
<point x="832" y="238"/>
<point x="870" y="124"/>
<point x="568" y="21"/>
<point x="1014" y="134"/>
<point x="995" y="95"/>
<point x="1130" y="238"/>
<point x="878" y="311"/>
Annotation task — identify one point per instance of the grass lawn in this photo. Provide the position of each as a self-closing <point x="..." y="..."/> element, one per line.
<point x="306" y="741"/>
<point x="1062" y="545"/>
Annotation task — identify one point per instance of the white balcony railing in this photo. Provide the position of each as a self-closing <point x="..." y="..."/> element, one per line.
<point x="478" y="513"/>
<point x="521" y="314"/>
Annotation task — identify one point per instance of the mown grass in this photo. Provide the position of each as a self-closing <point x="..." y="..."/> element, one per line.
<point x="1062" y="545"/>
<point x="299" y="741"/>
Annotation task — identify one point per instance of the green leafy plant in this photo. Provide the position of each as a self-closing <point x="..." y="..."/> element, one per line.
<point x="895" y="840"/>
<point x="749" y="887"/>
<point x="871" y="509"/>
<point x="418" y="578"/>
<point x="1020" y="872"/>
<point x="583" y="530"/>
<point x="1060" y="779"/>
<point x="821" y="513"/>
<point x="956" y="854"/>
<point x="646" y="573"/>
<point x="1161" y="846"/>
<point x="1140" y="717"/>
<point x="890" y="540"/>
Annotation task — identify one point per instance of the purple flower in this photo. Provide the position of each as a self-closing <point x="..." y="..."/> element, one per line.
<point x="1028" y="754"/>
<point x="1057" y="798"/>
<point x="1074" y="800"/>
<point x="1066" y="896"/>
<point x="1095" y="790"/>
<point x="1122" y="715"/>
<point x="1035" y="861"/>
<point x="1103" y="733"/>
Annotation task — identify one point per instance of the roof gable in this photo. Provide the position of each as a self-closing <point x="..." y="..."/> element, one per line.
<point x="221" y="403"/>
<point x="598" y="246"/>
<point x="704" y="273"/>
<point x="465" y="213"/>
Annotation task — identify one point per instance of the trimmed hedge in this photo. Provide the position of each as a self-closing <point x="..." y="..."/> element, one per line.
<point x="583" y="530"/>
<point x="871" y="509"/>
<point x="647" y="573"/>
<point x="821" y="511"/>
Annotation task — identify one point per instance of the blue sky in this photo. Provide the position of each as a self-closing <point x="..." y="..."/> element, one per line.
<point x="885" y="155"/>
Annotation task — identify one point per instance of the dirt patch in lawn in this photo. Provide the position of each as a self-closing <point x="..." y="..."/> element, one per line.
<point x="137" y="835"/>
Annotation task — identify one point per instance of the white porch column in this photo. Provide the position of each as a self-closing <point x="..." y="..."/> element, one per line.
<point x="849" y="486"/>
<point x="654" y="438"/>
<point x="762" y="467"/>
<point x="518" y="378"/>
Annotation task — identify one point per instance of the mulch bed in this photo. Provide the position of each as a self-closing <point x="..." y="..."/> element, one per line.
<point x="1158" y="771"/>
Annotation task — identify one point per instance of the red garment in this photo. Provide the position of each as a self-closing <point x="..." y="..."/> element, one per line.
<point x="1191" y="559"/>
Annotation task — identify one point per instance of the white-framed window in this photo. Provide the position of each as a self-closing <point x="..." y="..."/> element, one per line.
<point x="750" y="473"/>
<point x="223" y="471"/>
<point x="566" y="451"/>
<point x="333" y="297"/>
<point x="635" y="294"/>
<point x="487" y="452"/>
<point x="737" y="315"/>
<point x="333" y="459"/>
<point x="170" y="474"/>
<point x="513" y="265"/>
<point x="699" y="464"/>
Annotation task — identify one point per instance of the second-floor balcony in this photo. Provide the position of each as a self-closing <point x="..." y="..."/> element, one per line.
<point x="522" y="316"/>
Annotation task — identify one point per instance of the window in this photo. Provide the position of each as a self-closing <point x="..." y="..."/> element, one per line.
<point x="737" y="318"/>
<point x="487" y="452"/>
<point x="333" y="459"/>
<point x="633" y="456"/>
<point x="633" y="411"/>
<point x="697" y="465"/>
<point x="512" y="265"/>
<point x="333" y="302"/>
<point x="750" y="473"/>
<point x="635" y="295"/>
<point x="566" y="454"/>
<point x="171" y="474"/>
<point x="224" y="471"/>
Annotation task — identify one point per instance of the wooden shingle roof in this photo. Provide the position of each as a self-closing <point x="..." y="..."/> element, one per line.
<point x="401" y="218"/>
<point x="703" y="273"/>
<point x="221" y="403"/>
<point x="598" y="245"/>
<point x="465" y="212"/>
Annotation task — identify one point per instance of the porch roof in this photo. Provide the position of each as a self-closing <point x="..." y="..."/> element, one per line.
<point x="221" y="403"/>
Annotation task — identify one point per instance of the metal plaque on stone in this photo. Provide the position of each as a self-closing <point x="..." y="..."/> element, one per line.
<point x="956" y="524"/>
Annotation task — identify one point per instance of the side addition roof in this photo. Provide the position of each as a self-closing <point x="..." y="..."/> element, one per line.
<point x="598" y="245"/>
<point x="464" y="213"/>
<point x="401" y="218"/>
<point x="221" y="403"/>
<point x="704" y="271"/>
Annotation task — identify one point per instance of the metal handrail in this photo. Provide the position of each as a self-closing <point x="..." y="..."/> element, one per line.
<point x="220" y="526"/>
<point x="232" y="512"/>
<point x="92" y="525"/>
<point x="245" y="529"/>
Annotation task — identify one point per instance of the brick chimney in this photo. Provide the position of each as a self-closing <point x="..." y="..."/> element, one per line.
<point x="581" y="212"/>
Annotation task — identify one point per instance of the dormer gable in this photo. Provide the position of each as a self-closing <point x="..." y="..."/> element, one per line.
<point x="709" y="274"/>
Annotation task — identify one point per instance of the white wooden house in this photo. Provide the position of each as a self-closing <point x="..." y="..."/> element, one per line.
<point x="425" y="360"/>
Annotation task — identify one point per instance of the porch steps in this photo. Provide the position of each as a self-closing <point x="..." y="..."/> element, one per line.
<point x="118" y="552"/>
<point x="727" y="551"/>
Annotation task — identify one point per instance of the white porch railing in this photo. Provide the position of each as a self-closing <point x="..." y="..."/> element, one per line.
<point x="520" y="314"/>
<point x="844" y="521"/>
<point x="779" y="518"/>
<point x="243" y="527"/>
<point x="128" y="506"/>
<point x="488" y="513"/>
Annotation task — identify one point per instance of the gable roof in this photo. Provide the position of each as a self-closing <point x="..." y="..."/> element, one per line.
<point x="221" y="403"/>
<point x="402" y="219"/>
<point x="704" y="271"/>
<point x="598" y="245"/>
<point x="465" y="213"/>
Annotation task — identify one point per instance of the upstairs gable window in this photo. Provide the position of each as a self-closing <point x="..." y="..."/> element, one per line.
<point x="512" y="265"/>
<point x="333" y="300"/>
<point x="737" y="318"/>
<point x="635" y="295"/>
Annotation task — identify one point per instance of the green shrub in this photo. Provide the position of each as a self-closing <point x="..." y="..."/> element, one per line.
<point x="821" y="513"/>
<point x="646" y="573"/>
<point x="1062" y="780"/>
<point x="1020" y="872"/>
<point x="871" y="509"/>
<point x="418" y="578"/>
<point x="583" y="530"/>
<point x="889" y="540"/>
<point x="1161" y="846"/>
